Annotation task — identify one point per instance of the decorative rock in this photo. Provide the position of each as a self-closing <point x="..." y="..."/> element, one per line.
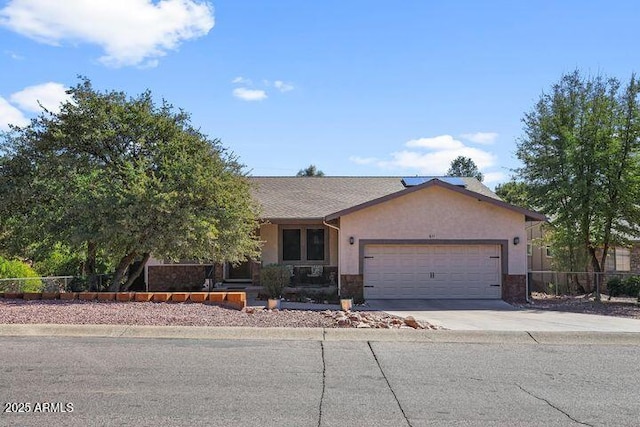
<point x="371" y="319"/>
<point x="411" y="321"/>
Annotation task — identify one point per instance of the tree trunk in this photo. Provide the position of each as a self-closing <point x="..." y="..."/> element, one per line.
<point x="133" y="276"/>
<point x="596" y="270"/>
<point x="90" y="264"/>
<point x="124" y="263"/>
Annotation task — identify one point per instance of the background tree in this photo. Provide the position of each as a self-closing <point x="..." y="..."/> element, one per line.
<point x="310" y="170"/>
<point x="514" y="192"/>
<point x="464" y="166"/>
<point x="123" y="178"/>
<point x="580" y="154"/>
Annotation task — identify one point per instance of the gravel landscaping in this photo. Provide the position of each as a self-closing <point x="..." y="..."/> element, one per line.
<point x="195" y="314"/>
<point x="616" y="306"/>
<point x="190" y="314"/>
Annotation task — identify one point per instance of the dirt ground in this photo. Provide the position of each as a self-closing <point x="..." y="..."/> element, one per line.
<point x="617" y="306"/>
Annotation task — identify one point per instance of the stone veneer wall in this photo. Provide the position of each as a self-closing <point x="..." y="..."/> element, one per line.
<point x="635" y="258"/>
<point x="352" y="286"/>
<point x="255" y="273"/>
<point x="514" y="287"/>
<point x="218" y="272"/>
<point x="176" y="277"/>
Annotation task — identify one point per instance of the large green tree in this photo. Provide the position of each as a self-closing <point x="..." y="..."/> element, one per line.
<point x="464" y="166"/>
<point x="514" y="192"/>
<point x="580" y="153"/>
<point x="126" y="178"/>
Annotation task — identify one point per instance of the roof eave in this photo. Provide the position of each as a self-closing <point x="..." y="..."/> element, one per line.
<point x="529" y="215"/>
<point x="282" y="220"/>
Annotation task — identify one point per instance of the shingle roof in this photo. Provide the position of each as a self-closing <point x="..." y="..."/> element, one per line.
<point x="318" y="197"/>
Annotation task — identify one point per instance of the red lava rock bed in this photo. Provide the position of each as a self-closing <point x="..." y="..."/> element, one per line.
<point x="191" y="314"/>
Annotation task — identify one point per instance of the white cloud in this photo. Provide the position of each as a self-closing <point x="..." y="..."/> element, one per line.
<point x="241" y="80"/>
<point x="131" y="32"/>
<point x="282" y="86"/>
<point x="50" y="95"/>
<point x="14" y="55"/>
<point x="249" y="94"/>
<point x="480" y="137"/>
<point x="431" y="156"/>
<point x="436" y="162"/>
<point x="442" y="142"/>
<point x="494" y="177"/>
<point x="10" y="115"/>
<point x="363" y="160"/>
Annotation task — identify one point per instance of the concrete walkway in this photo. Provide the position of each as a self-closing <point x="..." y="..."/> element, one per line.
<point x="496" y="315"/>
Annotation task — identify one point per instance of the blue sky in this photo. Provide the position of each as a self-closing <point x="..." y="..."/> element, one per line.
<point x="356" y="87"/>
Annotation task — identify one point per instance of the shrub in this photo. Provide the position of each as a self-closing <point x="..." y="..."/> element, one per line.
<point x="614" y="286"/>
<point x="59" y="262"/>
<point x="10" y="269"/>
<point x="79" y="284"/>
<point x="274" y="278"/>
<point x="630" y="286"/>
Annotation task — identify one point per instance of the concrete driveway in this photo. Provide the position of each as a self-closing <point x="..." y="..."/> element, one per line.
<point x="497" y="315"/>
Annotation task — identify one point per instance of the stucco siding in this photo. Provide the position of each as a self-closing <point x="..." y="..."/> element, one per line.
<point x="437" y="214"/>
<point x="269" y="236"/>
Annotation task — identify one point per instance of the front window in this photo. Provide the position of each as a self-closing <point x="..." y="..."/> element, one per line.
<point x="610" y="261"/>
<point x="302" y="244"/>
<point x="623" y="259"/>
<point x="291" y="244"/>
<point x="315" y="244"/>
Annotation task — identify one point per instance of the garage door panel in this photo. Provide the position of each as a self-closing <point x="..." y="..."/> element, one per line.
<point x="432" y="271"/>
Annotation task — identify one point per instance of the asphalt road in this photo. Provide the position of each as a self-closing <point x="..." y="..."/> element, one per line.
<point x="187" y="382"/>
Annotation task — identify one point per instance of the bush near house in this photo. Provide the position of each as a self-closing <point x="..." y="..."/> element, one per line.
<point x="274" y="278"/>
<point x="10" y="269"/>
<point x="630" y="286"/>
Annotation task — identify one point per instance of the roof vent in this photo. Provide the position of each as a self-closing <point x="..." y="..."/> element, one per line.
<point x="413" y="181"/>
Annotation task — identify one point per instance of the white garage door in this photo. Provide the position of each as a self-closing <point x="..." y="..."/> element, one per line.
<point x="432" y="271"/>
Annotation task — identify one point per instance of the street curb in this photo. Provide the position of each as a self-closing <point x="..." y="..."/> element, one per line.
<point x="320" y="334"/>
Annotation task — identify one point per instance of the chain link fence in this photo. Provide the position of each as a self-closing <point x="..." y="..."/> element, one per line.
<point x="572" y="282"/>
<point x="55" y="284"/>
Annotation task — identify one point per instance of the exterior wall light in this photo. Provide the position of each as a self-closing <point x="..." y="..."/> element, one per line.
<point x="352" y="240"/>
<point x="516" y="240"/>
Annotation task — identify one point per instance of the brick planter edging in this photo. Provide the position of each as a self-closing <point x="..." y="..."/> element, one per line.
<point x="235" y="300"/>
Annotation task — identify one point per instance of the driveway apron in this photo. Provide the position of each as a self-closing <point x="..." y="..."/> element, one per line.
<point x="497" y="315"/>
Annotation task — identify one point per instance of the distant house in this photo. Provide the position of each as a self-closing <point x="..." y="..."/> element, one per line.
<point x="542" y="269"/>
<point x="383" y="238"/>
<point x="539" y="255"/>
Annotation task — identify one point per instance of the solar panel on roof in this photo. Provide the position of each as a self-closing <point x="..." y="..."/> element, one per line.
<point x="454" y="180"/>
<point x="412" y="181"/>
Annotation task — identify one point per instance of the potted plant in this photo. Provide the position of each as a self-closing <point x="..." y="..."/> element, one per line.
<point x="274" y="278"/>
<point x="346" y="303"/>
